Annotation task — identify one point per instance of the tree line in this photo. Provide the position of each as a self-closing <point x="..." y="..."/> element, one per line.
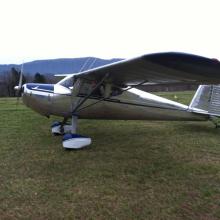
<point x="10" y="79"/>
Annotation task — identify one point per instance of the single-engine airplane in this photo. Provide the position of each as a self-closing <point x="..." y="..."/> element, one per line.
<point x="110" y="92"/>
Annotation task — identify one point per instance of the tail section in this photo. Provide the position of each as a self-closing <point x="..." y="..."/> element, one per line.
<point x="206" y="100"/>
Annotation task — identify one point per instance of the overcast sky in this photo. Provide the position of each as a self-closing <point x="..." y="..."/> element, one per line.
<point x="42" y="29"/>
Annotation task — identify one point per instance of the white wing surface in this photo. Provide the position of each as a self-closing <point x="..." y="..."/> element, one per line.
<point x="159" y="68"/>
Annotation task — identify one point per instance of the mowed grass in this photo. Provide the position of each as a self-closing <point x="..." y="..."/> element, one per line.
<point x="133" y="169"/>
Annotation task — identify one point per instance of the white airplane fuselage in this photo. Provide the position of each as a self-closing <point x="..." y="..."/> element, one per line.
<point x="134" y="104"/>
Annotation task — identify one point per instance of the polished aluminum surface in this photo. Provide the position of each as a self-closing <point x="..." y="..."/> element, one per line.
<point x="66" y="98"/>
<point x="130" y="105"/>
<point x="207" y="100"/>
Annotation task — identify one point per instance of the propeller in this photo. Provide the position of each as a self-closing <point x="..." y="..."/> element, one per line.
<point x="18" y="88"/>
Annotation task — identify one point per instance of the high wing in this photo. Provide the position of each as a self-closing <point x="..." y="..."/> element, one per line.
<point x="158" y="68"/>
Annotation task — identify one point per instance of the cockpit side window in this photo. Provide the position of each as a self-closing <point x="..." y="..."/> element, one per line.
<point x="87" y="87"/>
<point x="100" y="92"/>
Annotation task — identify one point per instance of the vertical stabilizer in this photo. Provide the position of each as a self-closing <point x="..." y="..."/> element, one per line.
<point x="206" y="100"/>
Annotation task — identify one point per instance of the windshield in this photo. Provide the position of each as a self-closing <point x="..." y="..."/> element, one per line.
<point x="66" y="82"/>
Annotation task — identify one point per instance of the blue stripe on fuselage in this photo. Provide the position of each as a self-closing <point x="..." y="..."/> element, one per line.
<point x="40" y="87"/>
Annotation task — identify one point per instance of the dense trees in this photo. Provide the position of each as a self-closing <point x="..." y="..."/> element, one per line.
<point x="10" y="79"/>
<point x="39" y="78"/>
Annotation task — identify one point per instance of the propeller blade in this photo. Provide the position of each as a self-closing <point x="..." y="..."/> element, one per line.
<point x="18" y="88"/>
<point x="21" y="76"/>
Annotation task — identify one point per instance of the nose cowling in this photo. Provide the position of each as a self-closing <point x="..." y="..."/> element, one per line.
<point x="38" y="97"/>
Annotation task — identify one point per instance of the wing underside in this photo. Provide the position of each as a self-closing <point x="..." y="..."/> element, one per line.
<point x="157" y="68"/>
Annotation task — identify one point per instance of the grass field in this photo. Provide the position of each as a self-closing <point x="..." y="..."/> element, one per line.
<point x="133" y="169"/>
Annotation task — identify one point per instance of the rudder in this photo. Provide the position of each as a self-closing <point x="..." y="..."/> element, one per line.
<point x="206" y="100"/>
